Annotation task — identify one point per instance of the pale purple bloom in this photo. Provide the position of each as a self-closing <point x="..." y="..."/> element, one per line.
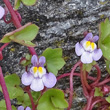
<point x="22" y="108"/>
<point x="87" y="49"/>
<point x="37" y="77"/>
<point x="2" y="12"/>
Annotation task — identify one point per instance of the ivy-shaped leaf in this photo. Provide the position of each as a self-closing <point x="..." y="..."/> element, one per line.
<point x="24" y="100"/>
<point x="53" y="99"/>
<point x="54" y="60"/>
<point x="29" y="2"/>
<point x="24" y="35"/>
<point x="12" y="82"/>
<point x="104" y="40"/>
<point x="98" y="92"/>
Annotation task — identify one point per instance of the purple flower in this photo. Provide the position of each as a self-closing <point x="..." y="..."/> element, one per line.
<point x="37" y="77"/>
<point x="2" y="12"/>
<point x="87" y="49"/>
<point x="22" y="108"/>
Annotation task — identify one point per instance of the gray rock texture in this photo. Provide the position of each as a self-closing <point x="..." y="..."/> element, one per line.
<point x="62" y="23"/>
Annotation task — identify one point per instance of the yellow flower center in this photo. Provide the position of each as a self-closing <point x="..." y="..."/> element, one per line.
<point x="40" y="70"/>
<point x="92" y="44"/>
<point x="35" y="70"/>
<point x="88" y="43"/>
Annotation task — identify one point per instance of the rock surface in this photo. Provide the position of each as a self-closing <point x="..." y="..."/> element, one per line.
<point x="62" y="23"/>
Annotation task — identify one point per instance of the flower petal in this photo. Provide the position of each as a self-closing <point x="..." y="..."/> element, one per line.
<point x="2" y="12"/>
<point x="79" y="49"/>
<point x="27" y="78"/>
<point x="34" y="71"/>
<point x="20" y="108"/>
<point x="95" y="38"/>
<point x="28" y="108"/>
<point x="34" y="60"/>
<point x="88" y="36"/>
<point x="42" y="71"/>
<point x="37" y="85"/>
<point x="42" y="61"/>
<point x="97" y="54"/>
<point x="86" y="57"/>
<point x="49" y="80"/>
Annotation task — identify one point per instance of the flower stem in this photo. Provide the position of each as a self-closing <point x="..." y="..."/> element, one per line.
<point x="75" y="74"/>
<point x="5" y="91"/>
<point x="86" y="94"/>
<point x="85" y="80"/>
<point x="71" y="84"/>
<point x="89" y="101"/>
<point x="27" y="89"/>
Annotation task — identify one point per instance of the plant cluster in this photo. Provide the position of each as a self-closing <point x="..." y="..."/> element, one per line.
<point x="37" y="92"/>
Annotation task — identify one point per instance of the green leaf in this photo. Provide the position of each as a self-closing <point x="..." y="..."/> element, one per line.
<point x="53" y="99"/>
<point x="24" y="100"/>
<point x="108" y="99"/>
<point x="107" y="66"/>
<point x="12" y="80"/>
<point x="59" y="102"/>
<point x="54" y="60"/>
<point x="14" y="92"/>
<point x="13" y="107"/>
<point x="17" y="4"/>
<point x="23" y="35"/>
<point x="23" y="62"/>
<point x="35" y="96"/>
<point x="29" y="2"/>
<point x="88" y="67"/>
<point x="98" y="92"/>
<point x="104" y="40"/>
<point x="28" y="57"/>
<point x="2" y="104"/>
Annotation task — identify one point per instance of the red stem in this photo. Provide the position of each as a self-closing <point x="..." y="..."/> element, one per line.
<point x="1" y="48"/>
<point x="89" y="101"/>
<point x="75" y="74"/>
<point x="17" y="24"/>
<point x="16" y="21"/>
<point x="5" y="91"/>
<point x="71" y="84"/>
<point x="86" y="94"/>
<point x="95" y="102"/>
<point x="13" y="14"/>
<point x="27" y="89"/>
<point x="85" y="80"/>
<point x="103" y="82"/>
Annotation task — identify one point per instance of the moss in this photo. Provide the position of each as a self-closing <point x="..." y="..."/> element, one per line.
<point x="59" y="43"/>
<point x="12" y="49"/>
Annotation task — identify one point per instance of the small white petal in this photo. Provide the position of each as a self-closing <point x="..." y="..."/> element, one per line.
<point x="37" y="84"/>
